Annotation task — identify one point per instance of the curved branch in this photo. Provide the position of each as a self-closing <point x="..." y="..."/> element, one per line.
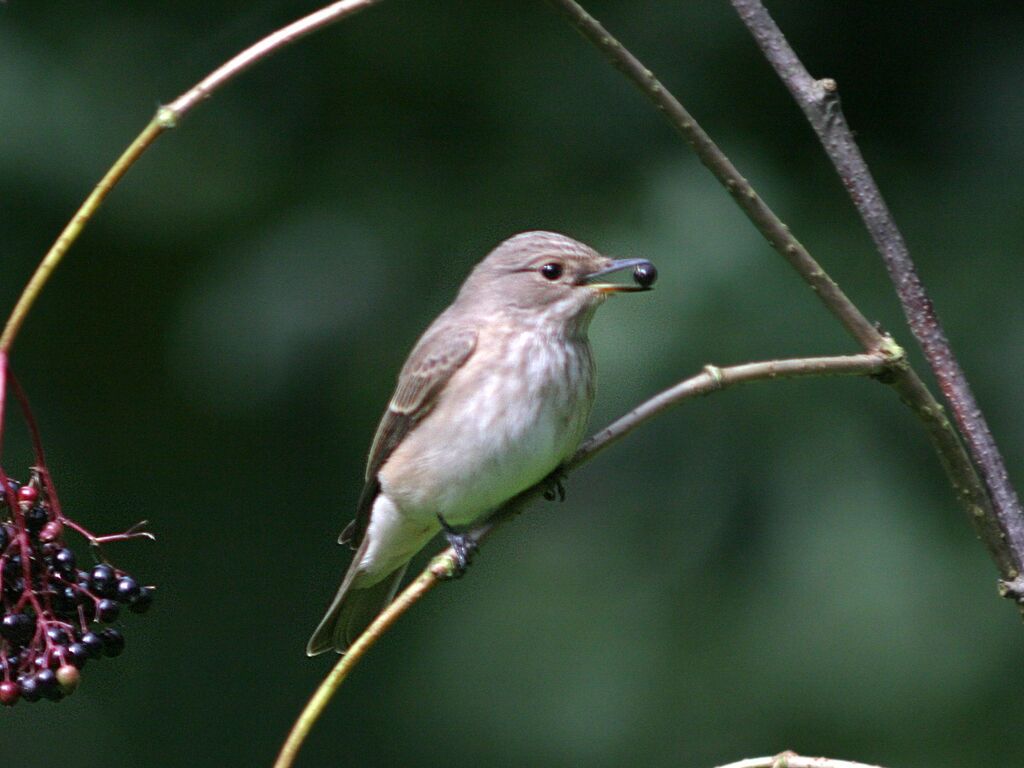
<point x="71" y="232"/>
<point x="819" y="100"/>
<point x="165" y="118"/>
<point x="970" y="491"/>
<point x="443" y="566"/>
<point x="259" y="51"/>
<point x="764" y="218"/>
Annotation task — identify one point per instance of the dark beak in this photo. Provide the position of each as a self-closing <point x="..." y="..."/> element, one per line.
<point x="644" y="275"/>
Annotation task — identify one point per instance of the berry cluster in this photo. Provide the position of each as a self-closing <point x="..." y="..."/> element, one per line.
<point x="54" y="616"/>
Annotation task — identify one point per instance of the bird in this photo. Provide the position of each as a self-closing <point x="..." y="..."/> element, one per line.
<point x="494" y="398"/>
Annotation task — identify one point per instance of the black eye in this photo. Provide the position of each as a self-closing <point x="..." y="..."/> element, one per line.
<point x="551" y="270"/>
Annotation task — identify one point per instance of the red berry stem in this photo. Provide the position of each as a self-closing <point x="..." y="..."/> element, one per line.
<point x="51" y="611"/>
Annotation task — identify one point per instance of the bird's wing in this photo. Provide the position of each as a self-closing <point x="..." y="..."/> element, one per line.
<point x="438" y="355"/>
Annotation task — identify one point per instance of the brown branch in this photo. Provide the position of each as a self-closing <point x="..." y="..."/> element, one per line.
<point x="771" y="226"/>
<point x="819" y="100"/>
<point x="968" y="487"/>
<point x="443" y="566"/>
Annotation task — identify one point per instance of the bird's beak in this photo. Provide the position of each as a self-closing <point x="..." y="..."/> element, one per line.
<point x="644" y="275"/>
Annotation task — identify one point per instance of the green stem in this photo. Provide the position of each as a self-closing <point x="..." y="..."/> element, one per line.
<point x="711" y="379"/>
<point x="70" y="233"/>
<point x="166" y="117"/>
<point x="440" y="567"/>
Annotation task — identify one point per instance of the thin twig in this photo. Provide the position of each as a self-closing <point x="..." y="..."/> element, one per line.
<point x="166" y="117"/>
<point x="441" y="567"/>
<point x="425" y="582"/>
<point x="967" y="486"/>
<point x="819" y="100"/>
<point x="71" y="231"/>
<point x="770" y="225"/>
<point x="793" y="760"/>
<point x="261" y="50"/>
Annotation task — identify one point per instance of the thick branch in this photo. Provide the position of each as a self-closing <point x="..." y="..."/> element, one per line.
<point x="819" y="100"/>
<point x="441" y="567"/>
<point x="963" y="478"/>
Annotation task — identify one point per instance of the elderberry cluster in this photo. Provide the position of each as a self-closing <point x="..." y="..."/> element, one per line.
<point x="54" y="616"/>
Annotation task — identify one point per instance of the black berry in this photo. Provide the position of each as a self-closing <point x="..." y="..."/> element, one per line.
<point x="35" y="519"/>
<point x="77" y="654"/>
<point x="645" y="274"/>
<point x="127" y="589"/>
<point x="64" y="560"/>
<point x="142" y="601"/>
<point x="46" y="682"/>
<point x="102" y="580"/>
<point x="50" y="609"/>
<point x="17" y="628"/>
<point x="113" y="642"/>
<point x="29" y="688"/>
<point x="107" y="610"/>
<point x="93" y="644"/>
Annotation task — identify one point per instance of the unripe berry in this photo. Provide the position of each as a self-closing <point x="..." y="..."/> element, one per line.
<point x="68" y="677"/>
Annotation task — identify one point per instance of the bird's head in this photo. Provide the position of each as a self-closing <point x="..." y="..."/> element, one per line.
<point x="545" y="277"/>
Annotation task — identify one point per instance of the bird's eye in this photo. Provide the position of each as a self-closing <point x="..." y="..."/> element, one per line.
<point x="551" y="271"/>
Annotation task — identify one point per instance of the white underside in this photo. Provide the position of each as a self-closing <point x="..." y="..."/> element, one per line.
<point x="488" y="438"/>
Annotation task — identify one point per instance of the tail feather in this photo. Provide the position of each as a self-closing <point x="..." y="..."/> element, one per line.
<point x="352" y="610"/>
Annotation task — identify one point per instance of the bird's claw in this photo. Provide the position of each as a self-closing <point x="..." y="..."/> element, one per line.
<point x="554" y="486"/>
<point x="463" y="545"/>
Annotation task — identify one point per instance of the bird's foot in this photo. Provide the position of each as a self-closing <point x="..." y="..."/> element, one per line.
<point x="463" y="545"/>
<point x="554" y="487"/>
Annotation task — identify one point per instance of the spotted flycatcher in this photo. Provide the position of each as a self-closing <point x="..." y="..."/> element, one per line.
<point x="494" y="397"/>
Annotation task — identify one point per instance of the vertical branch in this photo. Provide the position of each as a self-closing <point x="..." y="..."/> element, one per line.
<point x="819" y="100"/>
<point x="970" y="491"/>
<point x="771" y="226"/>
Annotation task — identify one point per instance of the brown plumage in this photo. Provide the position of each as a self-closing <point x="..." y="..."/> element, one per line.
<point x="494" y="397"/>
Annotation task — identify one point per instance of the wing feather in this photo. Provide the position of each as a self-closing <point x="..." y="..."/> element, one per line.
<point x="437" y="356"/>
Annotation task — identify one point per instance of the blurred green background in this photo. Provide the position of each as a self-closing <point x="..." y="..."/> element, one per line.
<point x="781" y="566"/>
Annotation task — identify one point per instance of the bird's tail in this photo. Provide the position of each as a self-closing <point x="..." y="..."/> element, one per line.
<point x="352" y="610"/>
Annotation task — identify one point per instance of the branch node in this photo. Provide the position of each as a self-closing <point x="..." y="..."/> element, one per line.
<point x="781" y="760"/>
<point x="167" y="117"/>
<point x="894" y="358"/>
<point x="443" y="566"/>
<point x="985" y="478"/>
<point x="828" y="86"/>
<point x="1012" y="589"/>
<point x="717" y="377"/>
